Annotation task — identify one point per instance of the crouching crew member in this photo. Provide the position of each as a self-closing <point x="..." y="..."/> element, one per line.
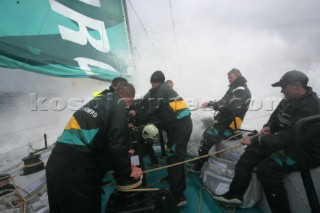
<point x="94" y="141"/>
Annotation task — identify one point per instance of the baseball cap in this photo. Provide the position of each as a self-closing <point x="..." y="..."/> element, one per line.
<point x="292" y="77"/>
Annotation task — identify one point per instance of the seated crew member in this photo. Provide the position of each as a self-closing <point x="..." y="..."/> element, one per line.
<point x="274" y="152"/>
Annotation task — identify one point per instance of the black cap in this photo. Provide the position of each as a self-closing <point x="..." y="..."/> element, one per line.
<point x="157" y="77"/>
<point x="115" y="82"/>
<point x="292" y="77"/>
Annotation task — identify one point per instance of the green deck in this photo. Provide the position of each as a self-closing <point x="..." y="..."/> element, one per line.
<point x="198" y="198"/>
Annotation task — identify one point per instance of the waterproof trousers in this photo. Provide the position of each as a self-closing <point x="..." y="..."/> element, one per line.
<point x="73" y="181"/>
<point x="211" y="137"/>
<point x="178" y="138"/>
<point x="271" y="167"/>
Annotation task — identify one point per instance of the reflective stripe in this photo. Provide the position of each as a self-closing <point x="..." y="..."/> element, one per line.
<point x="72" y="124"/>
<point x="282" y="159"/>
<point x="184" y="113"/>
<point x="238" y="88"/>
<point x="178" y="105"/>
<point x="97" y="94"/>
<point x="78" y="136"/>
<point x="238" y="122"/>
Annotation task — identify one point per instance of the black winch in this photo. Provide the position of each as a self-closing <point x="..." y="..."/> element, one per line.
<point x="5" y="185"/>
<point x="158" y="201"/>
<point x="32" y="164"/>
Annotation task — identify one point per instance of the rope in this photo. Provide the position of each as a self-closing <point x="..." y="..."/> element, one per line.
<point x="131" y="188"/>
<point x="11" y="133"/>
<point x="35" y="164"/>
<point x="4" y="181"/>
<point x="128" y="187"/>
<point x="202" y="188"/>
<point x="175" y="39"/>
<point x="258" y="117"/>
<point x="148" y="35"/>
<point x="194" y="159"/>
<point x="200" y="157"/>
<point x="140" y="190"/>
<point x="22" y="201"/>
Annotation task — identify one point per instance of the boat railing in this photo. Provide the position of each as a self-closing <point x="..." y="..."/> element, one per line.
<point x="303" y="166"/>
<point x="21" y="143"/>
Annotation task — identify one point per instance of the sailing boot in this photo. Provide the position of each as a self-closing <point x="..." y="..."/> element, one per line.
<point x="229" y="198"/>
<point x="197" y="166"/>
<point x="204" y="149"/>
<point x="278" y="201"/>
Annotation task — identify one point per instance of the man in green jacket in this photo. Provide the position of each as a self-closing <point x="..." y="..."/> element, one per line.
<point x="174" y="115"/>
<point x="94" y="141"/>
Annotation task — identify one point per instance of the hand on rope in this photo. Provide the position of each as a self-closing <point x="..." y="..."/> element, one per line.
<point x="136" y="172"/>
<point x="200" y="157"/>
<point x="247" y="140"/>
<point x="265" y="131"/>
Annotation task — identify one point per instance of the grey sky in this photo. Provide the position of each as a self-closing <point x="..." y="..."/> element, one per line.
<point x="252" y="35"/>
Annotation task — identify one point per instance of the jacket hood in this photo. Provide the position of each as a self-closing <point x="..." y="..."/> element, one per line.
<point x="238" y="82"/>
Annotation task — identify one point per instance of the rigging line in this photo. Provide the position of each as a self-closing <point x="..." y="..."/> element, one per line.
<point x="258" y="117"/>
<point x="144" y="29"/>
<point x="175" y="37"/>
<point x="20" y="147"/>
<point x="174" y="31"/>
<point x="11" y="133"/>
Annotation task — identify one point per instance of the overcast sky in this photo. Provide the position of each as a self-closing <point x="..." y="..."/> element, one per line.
<point x="210" y="37"/>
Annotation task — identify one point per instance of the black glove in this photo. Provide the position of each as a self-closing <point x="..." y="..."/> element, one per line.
<point x="214" y="105"/>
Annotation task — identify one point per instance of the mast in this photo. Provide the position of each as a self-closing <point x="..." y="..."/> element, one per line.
<point x="125" y="14"/>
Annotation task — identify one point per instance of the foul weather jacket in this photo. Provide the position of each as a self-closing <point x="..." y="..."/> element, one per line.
<point x="282" y="121"/>
<point x="166" y="104"/>
<point x="233" y="106"/>
<point x="100" y="127"/>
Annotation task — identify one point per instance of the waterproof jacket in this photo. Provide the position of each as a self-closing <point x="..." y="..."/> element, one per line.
<point x="233" y="106"/>
<point x="166" y="104"/>
<point x="100" y="127"/>
<point x="282" y="121"/>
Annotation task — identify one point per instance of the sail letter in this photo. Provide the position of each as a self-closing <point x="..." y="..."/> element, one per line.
<point x="84" y="22"/>
<point x="85" y="62"/>
<point x="92" y="2"/>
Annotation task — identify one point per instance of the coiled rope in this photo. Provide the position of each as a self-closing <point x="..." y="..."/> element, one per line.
<point x="22" y="201"/>
<point x="4" y="181"/>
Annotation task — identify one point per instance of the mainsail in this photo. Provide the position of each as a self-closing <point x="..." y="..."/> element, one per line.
<point x="65" y="38"/>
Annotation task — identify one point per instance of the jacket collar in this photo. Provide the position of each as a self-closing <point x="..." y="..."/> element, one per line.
<point x="238" y="82"/>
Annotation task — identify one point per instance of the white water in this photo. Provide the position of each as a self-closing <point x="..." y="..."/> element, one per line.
<point x="25" y="118"/>
<point x="264" y="39"/>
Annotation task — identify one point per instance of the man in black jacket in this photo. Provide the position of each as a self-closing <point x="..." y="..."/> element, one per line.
<point x="174" y="116"/>
<point x="231" y="111"/>
<point x="94" y="141"/>
<point x="274" y="152"/>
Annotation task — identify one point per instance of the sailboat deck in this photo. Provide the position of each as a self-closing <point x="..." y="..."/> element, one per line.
<point x="198" y="198"/>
